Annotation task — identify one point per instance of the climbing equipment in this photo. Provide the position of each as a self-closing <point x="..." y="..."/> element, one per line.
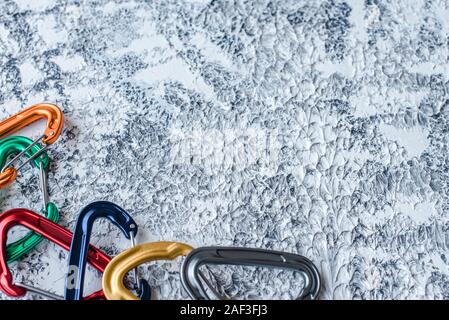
<point x="49" y="230"/>
<point x="55" y="122"/>
<point x="245" y="256"/>
<point x="113" y="286"/>
<point x="80" y="242"/>
<point x="81" y="238"/>
<point x="52" y="232"/>
<point x="10" y="146"/>
<point x="133" y="257"/>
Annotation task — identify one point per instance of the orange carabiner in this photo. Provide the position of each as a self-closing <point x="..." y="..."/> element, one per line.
<point x="55" y="121"/>
<point x="53" y="129"/>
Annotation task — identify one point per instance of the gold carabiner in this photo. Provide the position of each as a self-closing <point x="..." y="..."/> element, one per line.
<point x="53" y="129"/>
<point x="113" y="286"/>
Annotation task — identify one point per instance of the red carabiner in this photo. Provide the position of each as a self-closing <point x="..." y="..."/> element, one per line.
<point x="50" y="230"/>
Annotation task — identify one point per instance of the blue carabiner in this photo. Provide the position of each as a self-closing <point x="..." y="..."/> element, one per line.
<point x="80" y="244"/>
<point x="144" y="290"/>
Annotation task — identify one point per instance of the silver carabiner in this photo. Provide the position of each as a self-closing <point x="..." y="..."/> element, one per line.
<point x="20" y="154"/>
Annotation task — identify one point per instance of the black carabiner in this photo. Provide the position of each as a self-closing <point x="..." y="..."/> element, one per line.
<point x="80" y="244"/>
<point x="249" y="257"/>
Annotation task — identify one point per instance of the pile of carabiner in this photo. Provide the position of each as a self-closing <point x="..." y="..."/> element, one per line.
<point x="114" y="270"/>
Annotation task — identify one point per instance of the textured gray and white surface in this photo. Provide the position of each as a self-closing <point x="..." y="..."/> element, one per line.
<point x="314" y="127"/>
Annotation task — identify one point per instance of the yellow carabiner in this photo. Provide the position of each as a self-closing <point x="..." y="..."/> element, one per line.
<point x="113" y="275"/>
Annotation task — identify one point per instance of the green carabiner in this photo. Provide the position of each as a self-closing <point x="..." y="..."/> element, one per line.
<point x="9" y="147"/>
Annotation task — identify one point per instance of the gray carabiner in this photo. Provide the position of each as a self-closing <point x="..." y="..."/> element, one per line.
<point x="249" y="257"/>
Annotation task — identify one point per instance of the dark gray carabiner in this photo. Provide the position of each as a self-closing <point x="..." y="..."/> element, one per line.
<point x="191" y="280"/>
